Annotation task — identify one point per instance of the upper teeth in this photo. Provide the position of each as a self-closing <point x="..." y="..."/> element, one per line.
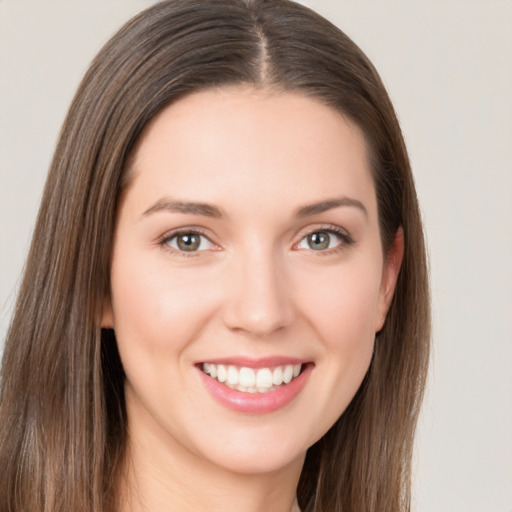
<point x="251" y="380"/>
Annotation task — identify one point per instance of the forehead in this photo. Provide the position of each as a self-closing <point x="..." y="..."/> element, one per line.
<point x="254" y="146"/>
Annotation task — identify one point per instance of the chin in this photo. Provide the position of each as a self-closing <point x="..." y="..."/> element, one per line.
<point x="249" y="456"/>
<point x="263" y="463"/>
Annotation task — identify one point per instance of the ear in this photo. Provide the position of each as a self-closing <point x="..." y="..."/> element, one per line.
<point x="107" y="316"/>
<point x="392" y="264"/>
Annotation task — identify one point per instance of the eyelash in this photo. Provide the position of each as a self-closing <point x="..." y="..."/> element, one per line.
<point x="343" y="235"/>
<point x="346" y="240"/>
<point x="164" y="241"/>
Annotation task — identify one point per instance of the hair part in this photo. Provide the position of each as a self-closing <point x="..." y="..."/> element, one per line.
<point x="62" y="413"/>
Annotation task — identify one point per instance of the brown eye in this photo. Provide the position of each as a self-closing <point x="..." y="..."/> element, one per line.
<point x="189" y="242"/>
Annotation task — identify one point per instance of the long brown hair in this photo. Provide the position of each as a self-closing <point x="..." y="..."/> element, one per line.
<point x="62" y="413"/>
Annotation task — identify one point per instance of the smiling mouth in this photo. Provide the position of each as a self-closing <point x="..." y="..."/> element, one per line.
<point x="249" y="380"/>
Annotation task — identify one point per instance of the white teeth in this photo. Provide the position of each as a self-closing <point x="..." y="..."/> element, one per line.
<point x="249" y="380"/>
<point x="232" y="375"/>
<point x="247" y="377"/>
<point x="222" y="374"/>
<point x="277" y="376"/>
<point x="288" y="373"/>
<point x="264" y="378"/>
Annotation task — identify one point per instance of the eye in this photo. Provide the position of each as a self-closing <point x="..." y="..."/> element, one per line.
<point x="189" y="241"/>
<point x="322" y="240"/>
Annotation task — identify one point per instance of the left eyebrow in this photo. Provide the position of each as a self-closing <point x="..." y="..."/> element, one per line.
<point x="329" y="204"/>
<point x="186" y="207"/>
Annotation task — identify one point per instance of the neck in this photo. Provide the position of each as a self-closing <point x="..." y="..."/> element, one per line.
<point x="160" y="476"/>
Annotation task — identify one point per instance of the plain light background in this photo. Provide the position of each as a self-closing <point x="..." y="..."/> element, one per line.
<point x="448" y="68"/>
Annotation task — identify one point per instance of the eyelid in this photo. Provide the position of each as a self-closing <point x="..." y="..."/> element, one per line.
<point x="343" y="234"/>
<point x="163" y="241"/>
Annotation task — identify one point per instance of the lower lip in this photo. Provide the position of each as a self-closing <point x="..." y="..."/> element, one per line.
<point x="256" y="403"/>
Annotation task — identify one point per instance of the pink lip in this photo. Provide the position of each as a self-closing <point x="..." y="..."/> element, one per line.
<point x="255" y="403"/>
<point x="249" y="362"/>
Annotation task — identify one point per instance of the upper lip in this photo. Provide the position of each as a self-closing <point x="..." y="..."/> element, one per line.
<point x="261" y="362"/>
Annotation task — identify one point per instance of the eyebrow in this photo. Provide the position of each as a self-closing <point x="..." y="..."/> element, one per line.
<point x="174" y="206"/>
<point x="209" y="210"/>
<point x="329" y="204"/>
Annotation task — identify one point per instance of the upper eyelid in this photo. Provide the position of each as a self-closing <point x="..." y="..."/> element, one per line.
<point x="333" y="228"/>
<point x="345" y="237"/>
<point x="163" y="243"/>
<point x="185" y="231"/>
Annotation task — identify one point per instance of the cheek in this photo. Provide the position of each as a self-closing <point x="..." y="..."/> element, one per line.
<point x="158" y="314"/>
<point x="342" y="301"/>
<point x="341" y="305"/>
<point x="155" y="309"/>
<point x="344" y="318"/>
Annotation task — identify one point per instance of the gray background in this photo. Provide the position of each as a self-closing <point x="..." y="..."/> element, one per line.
<point x="448" y="68"/>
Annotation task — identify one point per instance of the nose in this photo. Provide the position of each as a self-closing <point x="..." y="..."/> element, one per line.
<point x="258" y="299"/>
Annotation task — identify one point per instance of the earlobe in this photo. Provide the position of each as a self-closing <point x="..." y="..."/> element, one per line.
<point x="391" y="270"/>
<point x="107" y="317"/>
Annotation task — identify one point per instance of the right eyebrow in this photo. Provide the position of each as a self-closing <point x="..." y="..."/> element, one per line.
<point x="187" y="207"/>
<point x="329" y="204"/>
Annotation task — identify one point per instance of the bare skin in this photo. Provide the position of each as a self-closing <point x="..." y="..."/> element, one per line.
<point x="249" y="230"/>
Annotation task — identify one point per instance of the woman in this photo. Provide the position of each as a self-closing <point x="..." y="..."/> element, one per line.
<point x="225" y="302"/>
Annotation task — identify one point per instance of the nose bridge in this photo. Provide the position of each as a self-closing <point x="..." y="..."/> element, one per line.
<point x="258" y="300"/>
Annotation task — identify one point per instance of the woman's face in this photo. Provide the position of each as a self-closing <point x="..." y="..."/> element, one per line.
<point x="247" y="253"/>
